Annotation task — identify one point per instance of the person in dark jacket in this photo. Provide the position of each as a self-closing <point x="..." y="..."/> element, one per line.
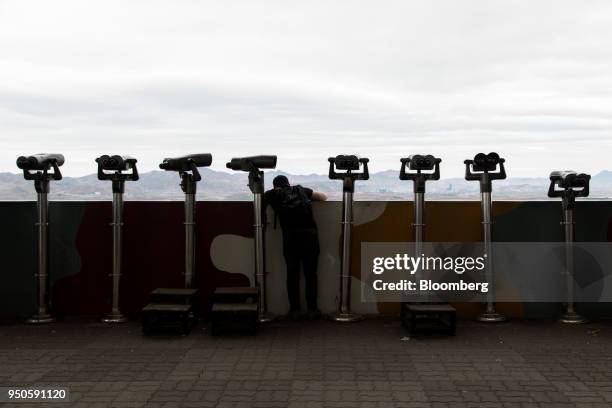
<point x="292" y="206"/>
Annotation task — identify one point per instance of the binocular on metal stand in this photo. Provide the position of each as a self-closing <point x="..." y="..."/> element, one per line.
<point x="112" y="168"/>
<point x="423" y="168"/>
<point x="187" y="167"/>
<point x="568" y="185"/>
<point x="483" y="168"/>
<point x="179" y="308"/>
<point x="420" y="164"/>
<point x="349" y="166"/>
<point x="253" y="166"/>
<point x="37" y="167"/>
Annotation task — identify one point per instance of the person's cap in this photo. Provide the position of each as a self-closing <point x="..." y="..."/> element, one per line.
<point x="280" y="181"/>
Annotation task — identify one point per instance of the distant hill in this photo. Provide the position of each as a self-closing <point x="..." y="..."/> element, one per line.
<point x="219" y="185"/>
<point x="603" y="177"/>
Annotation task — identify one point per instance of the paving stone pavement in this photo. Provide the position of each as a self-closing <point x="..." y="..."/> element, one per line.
<point x="521" y="364"/>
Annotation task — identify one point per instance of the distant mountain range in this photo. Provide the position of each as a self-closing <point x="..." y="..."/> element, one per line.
<point x="219" y="185"/>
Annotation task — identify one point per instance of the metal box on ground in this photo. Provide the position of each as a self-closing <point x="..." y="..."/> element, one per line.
<point x="170" y="311"/>
<point x="235" y="309"/>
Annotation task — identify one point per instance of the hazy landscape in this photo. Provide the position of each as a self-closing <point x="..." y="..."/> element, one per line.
<point x="219" y="185"/>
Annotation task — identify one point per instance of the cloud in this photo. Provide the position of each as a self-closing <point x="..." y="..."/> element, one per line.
<point x="308" y="80"/>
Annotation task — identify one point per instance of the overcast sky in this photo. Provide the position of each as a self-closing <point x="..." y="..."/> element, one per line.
<point x="309" y="79"/>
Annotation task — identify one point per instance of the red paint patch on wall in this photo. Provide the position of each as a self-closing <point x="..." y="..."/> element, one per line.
<point x="153" y="254"/>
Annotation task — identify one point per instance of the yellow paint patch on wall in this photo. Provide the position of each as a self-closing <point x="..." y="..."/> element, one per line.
<point x="445" y="221"/>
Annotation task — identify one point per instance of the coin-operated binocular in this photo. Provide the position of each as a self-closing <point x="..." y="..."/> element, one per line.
<point x="37" y="166"/>
<point x="186" y="163"/>
<point x="254" y="165"/>
<point x="187" y="168"/>
<point x="422" y="168"/>
<point x="252" y="162"/>
<point x="568" y="185"/>
<point x="114" y="168"/>
<point x="42" y="168"/>
<point x="347" y="168"/>
<point x="420" y="163"/>
<point x="485" y="168"/>
<point x="40" y="161"/>
<point x="115" y="163"/>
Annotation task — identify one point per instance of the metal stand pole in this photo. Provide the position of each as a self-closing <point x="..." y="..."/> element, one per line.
<point x="418" y="225"/>
<point x="42" y="315"/>
<point x="189" y="239"/>
<point x="260" y="276"/>
<point x="419" y="230"/>
<point x="115" y="316"/>
<point x="344" y="313"/>
<point x="189" y="187"/>
<point x="260" y="273"/>
<point x="570" y="315"/>
<point x="489" y="315"/>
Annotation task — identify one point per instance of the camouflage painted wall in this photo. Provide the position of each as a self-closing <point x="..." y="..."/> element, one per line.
<point x="81" y="249"/>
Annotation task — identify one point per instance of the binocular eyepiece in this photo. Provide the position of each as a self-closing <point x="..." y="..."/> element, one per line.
<point x="252" y="162"/>
<point x="569" y="179"/>
<point x="116" y="162"/>
<point x="40" y="161"/>
<point x="485" y="162"/>
<point x="347" y="162"/>
<point x="484" y="167"/>
<point x="253" y="165"/>
<point x="349" y="165"/>
<point x="186" y="163"/>
<point x="568" y="185"/>
<point x="423" y="167"/>
<point x="421" y="162"/>
<point x="112" y="167"/>
<point x="36" y="167"/>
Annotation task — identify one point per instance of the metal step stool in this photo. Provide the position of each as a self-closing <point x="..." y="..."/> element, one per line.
<point x="174" y="295"/>
<point x="235" y="317"/>
<point x="234" y="309"/>
<point x="171" y="310"/>
<point x="430" y="315"/>
<point x="236" y="294"/>
<point x="158" y="318"/>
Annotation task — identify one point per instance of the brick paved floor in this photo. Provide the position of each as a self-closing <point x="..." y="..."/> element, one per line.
<point x="320" y="364"/>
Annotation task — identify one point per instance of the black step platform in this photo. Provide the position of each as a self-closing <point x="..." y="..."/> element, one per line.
<point x="429" y="316"/>
<point x="171" y="311"/>
<point x="160" y="318"/>
<point x="173" y="295"/>
<point x="233" y="317"/>
<point x="236" y="294"/>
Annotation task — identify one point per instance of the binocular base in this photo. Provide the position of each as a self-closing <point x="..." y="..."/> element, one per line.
<point x="41" y="319"/>
<point x="265" y="317"/>
<point x="114" y="318"/>
<point x="491" y="317"/>
<point x="343" y="317"/>
<point x="572" y="318"/>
